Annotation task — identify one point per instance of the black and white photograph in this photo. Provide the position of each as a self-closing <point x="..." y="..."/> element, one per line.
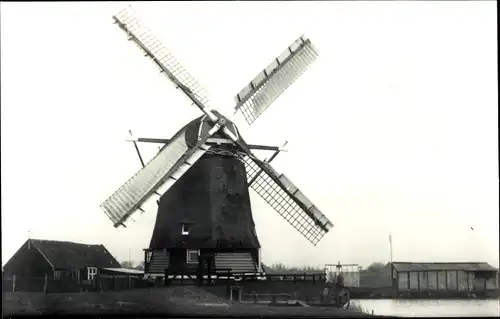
<point x="250" y="159"/>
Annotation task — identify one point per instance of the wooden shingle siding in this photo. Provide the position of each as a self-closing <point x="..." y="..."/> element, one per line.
<point x="241" y="262"/>
<point x="159" y="262"/>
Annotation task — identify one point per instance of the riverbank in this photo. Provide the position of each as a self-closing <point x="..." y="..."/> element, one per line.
<point x="433" y="308"/>
<point x="178" y="301"/>
<point x="391" y="293"/>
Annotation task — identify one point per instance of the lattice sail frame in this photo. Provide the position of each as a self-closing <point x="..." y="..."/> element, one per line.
<point x="278" y="76"/>
<point x="173" y="161"/>
<point x="129" y="21"/>
<point x="295" y="207"/>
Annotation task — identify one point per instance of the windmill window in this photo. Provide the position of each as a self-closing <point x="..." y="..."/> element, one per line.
<point x="192" y="256"/>
<point x="185" y="229"/>
<point x="91" y="273"/>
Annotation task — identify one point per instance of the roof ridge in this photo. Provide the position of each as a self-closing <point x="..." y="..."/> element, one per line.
<point x="62" y="254"/>
<point x="62" y="242"/>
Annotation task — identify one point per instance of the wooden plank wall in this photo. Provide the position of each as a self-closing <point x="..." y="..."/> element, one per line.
<point x="436" y="280"/>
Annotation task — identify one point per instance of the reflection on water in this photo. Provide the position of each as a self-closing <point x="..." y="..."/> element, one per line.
<point x="430" y="308"/>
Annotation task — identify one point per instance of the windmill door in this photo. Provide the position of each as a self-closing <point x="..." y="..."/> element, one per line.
<point x="206" y="266"/>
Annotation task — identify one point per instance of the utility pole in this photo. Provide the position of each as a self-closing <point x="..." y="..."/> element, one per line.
<point x="390" y="247"/>
<point x="129" y="258"/>
<point x="390" y="250"/>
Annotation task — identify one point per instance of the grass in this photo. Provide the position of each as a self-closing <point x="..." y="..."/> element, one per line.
<point x="170" y="301"/>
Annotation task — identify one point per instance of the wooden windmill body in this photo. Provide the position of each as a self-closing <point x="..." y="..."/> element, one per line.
<point x="202" y="175"/>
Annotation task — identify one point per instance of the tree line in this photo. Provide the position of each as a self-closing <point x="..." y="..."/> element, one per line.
<point x="132" y="265"/>
<point x="375" y="267"/>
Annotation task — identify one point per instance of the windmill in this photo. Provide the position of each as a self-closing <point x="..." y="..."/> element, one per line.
<point x="202" y="175"/>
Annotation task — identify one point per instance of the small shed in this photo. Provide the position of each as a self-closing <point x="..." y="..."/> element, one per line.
<point x="456" y="276"/>
<point x="59" y="260"/>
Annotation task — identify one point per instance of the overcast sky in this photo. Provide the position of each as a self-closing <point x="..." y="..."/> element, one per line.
<point x="393" y="130"/>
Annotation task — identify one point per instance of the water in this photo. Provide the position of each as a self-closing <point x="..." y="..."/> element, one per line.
<point x="431" y="308"/>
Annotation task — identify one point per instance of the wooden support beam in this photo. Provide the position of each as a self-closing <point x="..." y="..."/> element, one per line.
<point x="45" y="284"/>
<point x="166" y="140"/>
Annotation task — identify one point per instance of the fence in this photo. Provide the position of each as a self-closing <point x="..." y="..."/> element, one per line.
<point x="117" y="283"/>
<point x="49" y="285"/>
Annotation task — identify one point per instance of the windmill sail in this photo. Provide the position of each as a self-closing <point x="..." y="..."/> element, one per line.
<point x="129" y="22"/>
<point x="175" y="159"/>
<point x="287" y="200"/>
<point x="269" y="84"/>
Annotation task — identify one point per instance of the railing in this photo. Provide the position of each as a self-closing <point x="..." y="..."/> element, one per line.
<point x="190" y="276"/>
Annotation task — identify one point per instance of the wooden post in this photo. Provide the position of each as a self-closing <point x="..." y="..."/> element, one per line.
<point x="273" y="301"/>
<point x="314" y="279"/>
<point x="418" y="280"/>
<point x="210" y="271"/>
<point x="294" y="279"/>
<point x="467" y="280"/>
<point x="13" y="283"/>
<point x="45" y="284"/>
<point x="446" y="280"/>
<point x="114" y="283"/>
<point x="129" y="282"/>
<point x="458" y="284"/>
<point x="200" y="271"/>
<point x="255" y="298"/>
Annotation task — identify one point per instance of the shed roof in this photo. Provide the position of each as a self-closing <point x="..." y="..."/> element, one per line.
<point x="69" y="255"/>
<point x="125" y="271"/>
<point x="466" y="266"/>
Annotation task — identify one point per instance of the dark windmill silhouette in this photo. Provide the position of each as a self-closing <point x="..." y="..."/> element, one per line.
<point x="202" y="175"/>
